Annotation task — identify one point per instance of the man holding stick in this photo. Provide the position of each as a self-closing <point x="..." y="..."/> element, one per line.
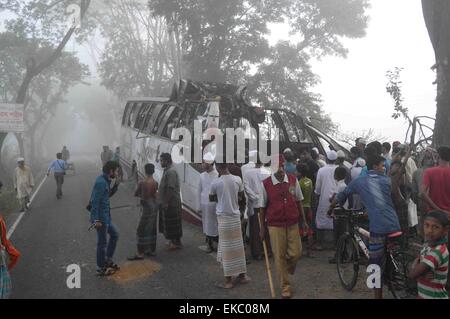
<point x="282" y="201"/>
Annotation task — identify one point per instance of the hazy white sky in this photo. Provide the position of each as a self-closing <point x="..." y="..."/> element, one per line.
<point x="353" y="89"/>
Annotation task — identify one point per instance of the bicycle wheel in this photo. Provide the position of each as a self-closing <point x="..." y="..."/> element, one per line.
<point x="347" y="261"/>
<point x="398" y="266"/>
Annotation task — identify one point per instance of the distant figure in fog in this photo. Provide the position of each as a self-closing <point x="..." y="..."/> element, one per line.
<point x="23" y="183"/>
<point x="65" y="154"/>
<point x="107" y="155"/>
<point x="58" y="167"/>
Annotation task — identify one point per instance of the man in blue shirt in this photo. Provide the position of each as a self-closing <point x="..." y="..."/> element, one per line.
<point x="374" y="190"/>
<point x="101" y="219"/>
<point x="58" y="167"/>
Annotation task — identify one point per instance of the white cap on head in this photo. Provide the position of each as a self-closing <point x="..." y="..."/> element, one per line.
<point x="361" y="162"/>
<point x="340" y="154"/>
<point x="287" y="150"/>
<point x="362" y="141"/>
<point x="332" y="155"/>
<point x="315" y="149"/>
<point x="20" y="159"/>
<point x="209" y="158"/>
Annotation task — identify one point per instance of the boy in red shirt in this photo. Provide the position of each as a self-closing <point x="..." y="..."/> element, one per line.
<point x="435" y="189"/>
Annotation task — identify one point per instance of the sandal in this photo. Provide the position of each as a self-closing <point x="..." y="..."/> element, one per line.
<point x="112" y="265"/>
<point x="105" y="272"/>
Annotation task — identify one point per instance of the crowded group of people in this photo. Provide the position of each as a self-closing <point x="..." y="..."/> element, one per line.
<point x="275" y="211"/>
<point x="403" y="197"/>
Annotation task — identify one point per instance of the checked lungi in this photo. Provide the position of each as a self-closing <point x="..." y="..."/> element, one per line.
<point x="231" y="246"/>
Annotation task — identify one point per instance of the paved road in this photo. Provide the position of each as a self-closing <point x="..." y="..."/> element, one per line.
<point x="54" y="234"/>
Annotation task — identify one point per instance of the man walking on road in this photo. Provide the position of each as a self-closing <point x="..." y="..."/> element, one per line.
<point x="101" y="219"/>
<point x="58" y="167"/>
<point x="282" y="198"/>
<point x="23" y="183"/>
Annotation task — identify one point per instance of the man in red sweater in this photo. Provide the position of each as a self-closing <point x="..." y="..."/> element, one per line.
<point x="282" y="201"/>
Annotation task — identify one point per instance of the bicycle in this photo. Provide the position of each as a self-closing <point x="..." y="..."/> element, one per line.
<point x="350" y="244"/>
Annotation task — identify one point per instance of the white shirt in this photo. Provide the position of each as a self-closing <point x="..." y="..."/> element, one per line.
<point x="253" y="187"/>
<point x="326" y="186"/>
<point x="206" y="180"/>
<point x="244" y="168"/>
<point x="227" y="188"/>
<point x="297" y="192"/>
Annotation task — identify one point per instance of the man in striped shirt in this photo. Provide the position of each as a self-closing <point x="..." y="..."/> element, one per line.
<point x="430" y="268"/>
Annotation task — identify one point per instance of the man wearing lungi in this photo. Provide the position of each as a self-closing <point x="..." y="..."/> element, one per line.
<point x="207" y="208"/>
<point x="146" y="231"/>
<point x="169" y="194"/>
<point x="282" y="198"/>
<point x="226" y="191"/>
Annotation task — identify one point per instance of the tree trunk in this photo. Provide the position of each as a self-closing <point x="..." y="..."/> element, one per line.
<point x="34" y="69"/>
<point x="436" y="13"/>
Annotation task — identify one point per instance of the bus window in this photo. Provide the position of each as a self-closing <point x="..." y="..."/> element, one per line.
<point x="160" y="117"/>
<point x="133" y="114"/>
<point x="266" y="129"/>
<point x="171" y="123"/>
<point x="126" y="113"/>
<point x="141" y="116"/>
<point x="146" y="127"/>
<point x="290" y="128"/>
<point x="325" y="144"/>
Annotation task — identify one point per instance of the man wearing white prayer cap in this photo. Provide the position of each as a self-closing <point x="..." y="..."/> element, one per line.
<point x="207" y="209"/>
<point x="23" y="183"/>
<point x="326" y="186"/>
<point x="332" y="156"/>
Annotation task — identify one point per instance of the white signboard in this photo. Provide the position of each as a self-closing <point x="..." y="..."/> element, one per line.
<point x="11" y="118"/>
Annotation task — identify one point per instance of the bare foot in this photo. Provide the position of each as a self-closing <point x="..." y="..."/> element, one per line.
<point x="243" y="279"/>
<point x="225" y="285"/>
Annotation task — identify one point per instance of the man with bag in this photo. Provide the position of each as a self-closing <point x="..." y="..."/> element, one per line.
<point x="58" y="167"/>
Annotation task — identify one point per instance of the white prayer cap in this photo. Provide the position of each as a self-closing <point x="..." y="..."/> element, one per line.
<point x="332" y="155"/>
<point x="340" y="154"/>
<point x="287" y="150"/>
<point x="315" y="149"/>
<point x="209" y="158"/>
<point x="361" y="162"/>
<point x="20" y="159"/>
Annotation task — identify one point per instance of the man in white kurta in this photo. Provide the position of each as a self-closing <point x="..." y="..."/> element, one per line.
<point x="254" y="188"/>
<point x="326" y="186"/>
<point x="23" y="183"/>
<point x="208" y="208"/>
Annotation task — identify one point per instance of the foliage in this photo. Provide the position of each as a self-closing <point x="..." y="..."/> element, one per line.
<point x="227" y="41"/>
<point x="394" y="88"/>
